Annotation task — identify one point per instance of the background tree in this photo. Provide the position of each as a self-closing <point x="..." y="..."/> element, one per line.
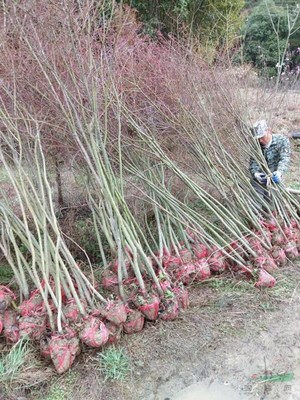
<point x="214" y="22"/>
<point x="270" y="31"/>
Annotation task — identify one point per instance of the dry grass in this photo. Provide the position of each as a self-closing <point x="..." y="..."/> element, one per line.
<point x="22" y="370"/>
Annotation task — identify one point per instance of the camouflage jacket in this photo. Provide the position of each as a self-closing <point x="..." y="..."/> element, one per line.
<point x="277" y="156"/>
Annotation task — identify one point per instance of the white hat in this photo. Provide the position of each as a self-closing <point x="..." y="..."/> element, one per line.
<point x="259" y="129"/>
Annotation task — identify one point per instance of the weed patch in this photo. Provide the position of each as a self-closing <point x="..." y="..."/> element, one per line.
<point x="12" y="363"/>
<point x="113" y="363"/>
<point x="62" y="388"/>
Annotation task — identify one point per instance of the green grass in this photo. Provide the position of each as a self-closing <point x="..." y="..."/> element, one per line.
<point x="13" y="362"/>
<point x="286" y="283"/>
<point x="57" y="393"/>
<point x="295" y="185"/>
<point x="113" y="363"/>
<point x="268" y="306"/>
<point x="230" y="285"/>
<point x="231" y="291"/>
<point x="270" y="299"/>
<point x="6" y="274"/>
<point x="285" y="377"/>
<point x="61" y="388"/>
<point x="21" y="369"/>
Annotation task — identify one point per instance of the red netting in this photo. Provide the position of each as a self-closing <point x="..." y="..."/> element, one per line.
<point x="169" y="309"/>
<point x="182" y="296"/>
<point x="255" y="245"/>
<point x="150" y="308"/>
<point x="1" y="323"/>
<point x="279" y="255"/>
<point x="186" y="273"/>
<point x="114" y="332"/>
<point x="265" y="279"/>
<point x="169" y="261"/>
<point x="6" y="298"/>
<point x="63" y="351"/>
<point x="11" y="326"/>
<point x="115" y="312"/>
<point x="217" y="262"/>
<point x="134" y="322"/>
<point x="71" y="311"/>
<point x="33" y="326"/>
<point x="34" y="305"/>
<point x="186" y="256"/>
<point x="291" y="250"/>
<point x="200" y="251"/>
<point x="266" y="262"/>
<point x="270" y="225"/>
<point x="203" y="270"/>
<point x="94" y="332"/>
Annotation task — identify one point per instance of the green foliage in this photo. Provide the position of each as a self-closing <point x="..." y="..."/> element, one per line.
<point x="218" y="21"/>
<point x="113" y="363"/>
<point x="86" y="237"/>
<point x="6" y="274"/>
<point x="165" y="15"/>
<point x="265" y="36"/>
<point x="212" y="21"/>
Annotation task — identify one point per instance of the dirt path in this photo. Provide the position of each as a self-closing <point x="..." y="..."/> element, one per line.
<point x="230" y="341"/>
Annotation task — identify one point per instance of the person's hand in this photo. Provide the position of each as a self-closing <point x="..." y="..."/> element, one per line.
<point x="276" y="177"/>
<point x="261" y="178"/>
